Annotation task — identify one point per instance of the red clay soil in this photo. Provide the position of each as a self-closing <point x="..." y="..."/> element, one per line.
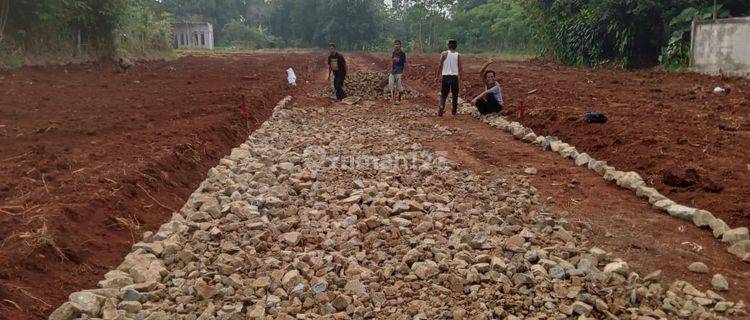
<point x="691" y="144"/>
<point x="619" y="221"/>
<point x="92" y="157"/>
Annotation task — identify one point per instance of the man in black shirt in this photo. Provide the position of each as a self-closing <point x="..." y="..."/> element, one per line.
<point x="396" y="78"/>
<point x="337" y="66"/>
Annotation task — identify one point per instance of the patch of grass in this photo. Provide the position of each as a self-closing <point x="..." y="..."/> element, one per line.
<point x="10" y="61"/>
<point x="675" y="68"/>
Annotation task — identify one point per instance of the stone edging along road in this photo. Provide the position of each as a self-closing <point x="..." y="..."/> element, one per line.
<point x="737" y="238"/>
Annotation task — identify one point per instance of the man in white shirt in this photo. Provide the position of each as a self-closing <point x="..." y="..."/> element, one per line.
<point x="451" y="70"/>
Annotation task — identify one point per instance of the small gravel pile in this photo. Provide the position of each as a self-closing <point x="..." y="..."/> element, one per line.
<point x="368" y="85"/>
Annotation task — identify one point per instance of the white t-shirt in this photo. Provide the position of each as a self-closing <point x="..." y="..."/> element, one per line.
<point x="450" y="65"/>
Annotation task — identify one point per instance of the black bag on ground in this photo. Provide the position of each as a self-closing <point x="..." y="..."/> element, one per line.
<point x="595" y="117"/>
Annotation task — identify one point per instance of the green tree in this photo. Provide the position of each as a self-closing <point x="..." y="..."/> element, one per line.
<point x="240" y="35"/>
<point x="495" y="25"/>
<point x="353" y="24"/>
<point x="630" y="33"/>
<point x="82" y="29"/>
<point x="146" y="32"/>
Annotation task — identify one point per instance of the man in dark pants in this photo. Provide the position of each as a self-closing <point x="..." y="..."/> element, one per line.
<point x="337" y="66"/>
<point x="491" y="99"/>
<point x="450" y="68"/>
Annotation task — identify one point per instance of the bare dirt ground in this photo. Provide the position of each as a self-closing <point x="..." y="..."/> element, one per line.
<point x="92" y="158"/>
<point x="622" y="223"/>
<point x="688" y="142"/>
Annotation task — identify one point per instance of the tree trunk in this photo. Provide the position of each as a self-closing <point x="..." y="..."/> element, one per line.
<point x="4" y="10"/>
<point x="421" y="41"/>
<point x="714" y="10"/>
<point x="78" y="45"/>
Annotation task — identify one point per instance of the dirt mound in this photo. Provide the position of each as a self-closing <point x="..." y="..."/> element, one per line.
<point x="680" y="178"/>
<point x="93" y="157"/>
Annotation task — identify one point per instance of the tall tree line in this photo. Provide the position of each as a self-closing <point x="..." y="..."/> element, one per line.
<point x="630" y="33"/>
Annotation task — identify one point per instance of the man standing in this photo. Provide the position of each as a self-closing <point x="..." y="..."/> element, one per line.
<point x="491" y="99"/>
<point x="337" y="66"/>
<point x="396" y="79"/>
<point x="450" y="68"/>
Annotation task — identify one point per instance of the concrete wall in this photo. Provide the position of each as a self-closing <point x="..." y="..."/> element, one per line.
<point x="721" y="46"/>
<point x="193" y="35"/>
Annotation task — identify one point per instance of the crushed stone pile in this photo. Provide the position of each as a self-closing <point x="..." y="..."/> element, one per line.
<point x="368" y="85"/>
<point x="339" y="213"/>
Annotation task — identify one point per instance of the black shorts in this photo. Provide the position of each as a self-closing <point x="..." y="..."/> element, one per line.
<point x="488" y="105"/>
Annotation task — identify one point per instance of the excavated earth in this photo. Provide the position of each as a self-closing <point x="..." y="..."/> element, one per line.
<point x="91" y="157"/>
<point x="318" y="225"/>
<point x="340" y="213"/>
<point x="688" y="142"/>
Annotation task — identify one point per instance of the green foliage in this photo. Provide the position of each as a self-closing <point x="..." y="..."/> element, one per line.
<point x="352" y="24"/>
<point x="219" y="13"/>
<point x="676" y="53"/>
<point x="81" y="29"/>
<point x="427" y="24"/>
<point x="146" y="32"/>
<point x="9" y="59"/>
<point x="237" y="34"/>
<point x="629" y="33"/>
<point x="600" y="32"/>
<point x="496" y="25"/>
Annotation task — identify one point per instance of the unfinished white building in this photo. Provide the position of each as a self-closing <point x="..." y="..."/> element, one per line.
<point x="193" y="35"/>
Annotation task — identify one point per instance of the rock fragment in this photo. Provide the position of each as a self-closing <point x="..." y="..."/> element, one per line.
<point x="698" y="267"/>
<point x="719" y="282"/>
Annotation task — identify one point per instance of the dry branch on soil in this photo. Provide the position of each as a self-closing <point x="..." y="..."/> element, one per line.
<point x="129" y="223"/>
<point x="41" y="237"/>
<point x="152" y="198"/>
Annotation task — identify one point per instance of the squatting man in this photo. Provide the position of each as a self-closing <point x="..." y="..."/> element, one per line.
<point x="451" y="70"/>
<point x="491" y="99"/>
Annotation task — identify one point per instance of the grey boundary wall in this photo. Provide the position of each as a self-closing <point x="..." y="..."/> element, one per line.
<point x="737" y="239"/>
<point x="721" y="46"/>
